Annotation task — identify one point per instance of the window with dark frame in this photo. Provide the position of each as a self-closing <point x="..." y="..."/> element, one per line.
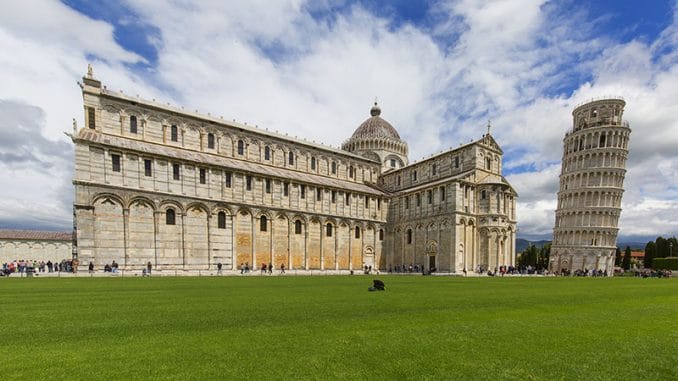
<point x="313" y="163"/>
<point x="442" y="193"/>
<point x="318" y="194"/>
<point x="378" y="204"/>
<point x="429" y="196"/>
<point x="297" y="227"/>
<point x="393" y="163"/>
<point x="210" y="140"/>
<point x="334" y="196"/>
<point x="456" y="162"/>
<point x="328" y="230"/>
<point x="290" y="158"/>
<point x="350" y="171"/>
<point x="176" y="171"/>
<point x="248" y="182"/>
<point x="170" y="217"/>
<point x="434" y="169"/>
<point x="203" y="176"/>
<point x="381" y="234"/>
<point x="334" y="167"/>
<point x="268" y="186"/>
<point x="133" y="124"/>
<point x="241" y="147"/>
<point x="221" y="220"/>
<point x="357" y="232"/>
<point x="367" y="202"/>
<point x="227" y="179"/>
<point x="263" y="223"/>
<point x="174" y="133"/>
<point x="414" y="176"/>
<point x="407" y="202"/>
<point x="409" y="236"/>
<point x="91" y="122"/>
<point x="302" y="191"/>
<point x="115" y="161"/>
<point x="418" y="197"/>
<point x="348" y="198"/>
<point x="148" y="167"/>
<point x="267" y="153"/>
<point x="286" y="189"/>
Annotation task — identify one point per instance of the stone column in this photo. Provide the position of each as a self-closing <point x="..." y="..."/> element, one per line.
<point x="209" y="241"/>
<point x="125" y="222"/>
<point x="254" y="241"/>
<point x="183" y="240"/>
<point x="322" y="261"/>
<point x="156" y="229"/>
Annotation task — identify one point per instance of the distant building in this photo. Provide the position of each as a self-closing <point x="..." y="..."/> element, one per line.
<point x="33" y="245"/>
<point x="155" y="183"/>
<point x="591" y="187"/>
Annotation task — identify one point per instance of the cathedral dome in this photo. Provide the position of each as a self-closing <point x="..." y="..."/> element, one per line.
<point x="376" y="139"/>
<point x="375" y="127"/>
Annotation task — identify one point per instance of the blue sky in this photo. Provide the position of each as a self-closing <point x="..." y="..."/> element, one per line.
<point x="440" y="70"/>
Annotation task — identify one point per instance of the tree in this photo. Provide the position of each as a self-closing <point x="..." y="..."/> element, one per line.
<point x="662" y="248"/>
<point x="528" y="257"/>
<point x="626" y="262"/>
<point x="544" y="254"/>
<point x="650" y="253"/>
<point x="618" y="258"/>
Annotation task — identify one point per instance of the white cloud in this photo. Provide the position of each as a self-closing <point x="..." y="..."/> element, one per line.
<point x="273" y="64"/>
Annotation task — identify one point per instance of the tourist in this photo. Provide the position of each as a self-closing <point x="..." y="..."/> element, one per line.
<point x="149" y="267"/>
<point x="50" y="266"/>
<point x="91" y="267"/>
<point x="242" y="268"/>
<point x="219" y="269"/>
<point x="114" y="266"/>
<point x="282" y="268"/>
<point x="270" y="268"/>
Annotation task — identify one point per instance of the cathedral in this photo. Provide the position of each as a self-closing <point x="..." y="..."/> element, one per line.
<point x="184" y="191"/>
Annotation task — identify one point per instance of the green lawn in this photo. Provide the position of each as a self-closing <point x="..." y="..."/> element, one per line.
<point x="332" y="327"/>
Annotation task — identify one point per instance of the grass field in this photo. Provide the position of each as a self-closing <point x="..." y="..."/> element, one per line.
<point x="333" y="328"/>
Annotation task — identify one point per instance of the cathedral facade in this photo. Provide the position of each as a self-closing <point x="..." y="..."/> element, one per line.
<point x="184" y="191"/>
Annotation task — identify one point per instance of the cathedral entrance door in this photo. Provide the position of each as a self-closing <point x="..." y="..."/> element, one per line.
<point x="431" y="261"/>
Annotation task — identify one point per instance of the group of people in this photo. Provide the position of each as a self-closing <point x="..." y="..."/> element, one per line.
<point x="265" y="268"/>
<point x="23" y="266"/>
<point x="412" y="268"/>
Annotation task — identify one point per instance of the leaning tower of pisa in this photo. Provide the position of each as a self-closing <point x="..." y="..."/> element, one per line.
<point x="591" y="188"/>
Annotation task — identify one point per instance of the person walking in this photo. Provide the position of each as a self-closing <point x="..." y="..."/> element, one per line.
<point x="91" y="268"/>
<point x="149" y="266"/>
<point x="282" y="268"/>
<point x="219" y="269"/>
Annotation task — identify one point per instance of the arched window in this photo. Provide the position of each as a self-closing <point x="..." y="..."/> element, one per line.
<point x="174" y="133"/>
<point x="133" y="124"/>
<point x="267" y="153"/>
<point x="334" y="167"/>
<point x="170" y="217"/>
<point x="329" y="230"/>
<point x="291" y="158"/>
<point x="297" y="227"/>
<point x="221" y="220"/>
<point x="241" y="147"/>
<point x="357" y="231"/>
<point x="381" y="234"/>
<point x="210" y="140"/>
<point x="263" y="223"/>
<point x="409" y="236"/>
<point x="313" y="163"/>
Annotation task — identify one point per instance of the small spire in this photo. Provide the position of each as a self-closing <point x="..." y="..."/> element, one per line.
<point x="489" y="125"/>
<point x="90" y="74"/>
